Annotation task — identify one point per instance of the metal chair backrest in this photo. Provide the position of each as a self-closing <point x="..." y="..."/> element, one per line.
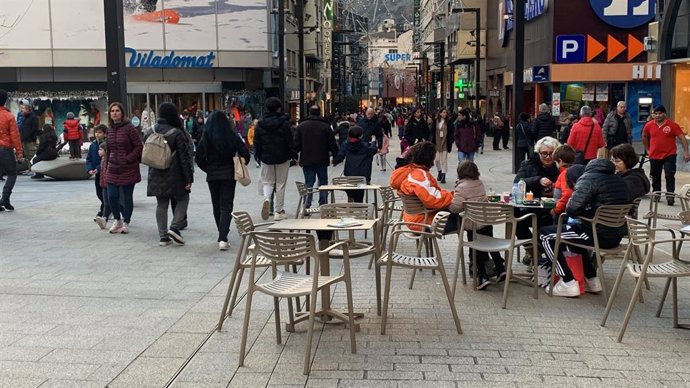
<point x="360" y="211"/>
<point x="438" y="225"/>
<point x="613" y="216"/>
<point x="488" y="213"/>
<point x="302" y="189"/>
<point x="387" y="194"/>
<point x="684" y="217"/>
<point x="284" y="248"/>
<point x="349" y="180"/>
<point x="243" y="222"/>
<point x="639" y="233"/>
<point x="413" y="205"/>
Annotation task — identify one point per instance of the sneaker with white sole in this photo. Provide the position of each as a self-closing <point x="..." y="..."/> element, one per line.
<point x="570" y="289"/>
<point x="593" y="285"/>
<point x="165" y="241"/>
<point x="176" y="236"/>
<point x="117" y="227"/>
<point x="102" y="222"/>
<point x="125" y="228"/>
<point x="280" y="216"/>
<point x="223" y="245"/>
<point x="264" y="209"/>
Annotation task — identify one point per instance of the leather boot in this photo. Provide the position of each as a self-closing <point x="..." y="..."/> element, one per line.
<point x="443" y="177"/>
<point x="438" y="177"/>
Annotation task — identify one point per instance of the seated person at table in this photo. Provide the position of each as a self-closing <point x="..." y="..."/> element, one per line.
<point x="564" y="156"/>
<point x="470" y="188"/>
<point x="540" y="171"/>
<point x="598" y="186"/>
<point x="358" y="156"/>
<point x="415" y="179"/>
<point x="625" y="158"/>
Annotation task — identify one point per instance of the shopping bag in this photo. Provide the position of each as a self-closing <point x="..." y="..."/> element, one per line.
<point x="574" y="262"/>
<point x="241" y="171"/>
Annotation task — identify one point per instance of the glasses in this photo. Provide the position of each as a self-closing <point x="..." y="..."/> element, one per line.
<point x="546" y="154"/>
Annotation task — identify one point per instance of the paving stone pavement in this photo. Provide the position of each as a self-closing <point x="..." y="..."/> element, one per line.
<point x="80" y="307"/>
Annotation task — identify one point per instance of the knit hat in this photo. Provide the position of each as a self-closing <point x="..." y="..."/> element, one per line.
<point x="659" y="109"/>
<point x="70" y="115"/>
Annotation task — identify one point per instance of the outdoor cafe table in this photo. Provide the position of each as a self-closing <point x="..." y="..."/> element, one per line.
<point x="366" y="187"/>
<point x="323" y="225"/>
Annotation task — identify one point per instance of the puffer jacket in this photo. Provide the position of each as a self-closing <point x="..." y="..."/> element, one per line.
<point x="72" y="129"/>
<point x="544" y="125"/>
<point x="466" y="136"/>
<point x="218" y="164"/>
<point x="273" y="140"/>
<point x="637" y="182"/>
<point x="532" y="170"/>
<point x="471" y="190"/>
<point x="9" y="132"/>
<point x="29" y="129"/>
<point x="357" y="155"/>
<point x="124" y="154"/>
<point x="171" y="181"/>
<point x="598" y="186"/>
<point x="416" y="180"/>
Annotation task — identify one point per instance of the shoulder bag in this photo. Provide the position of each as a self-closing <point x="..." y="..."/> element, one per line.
<point x="241" y="171"/>
<point x="580" y="155"/>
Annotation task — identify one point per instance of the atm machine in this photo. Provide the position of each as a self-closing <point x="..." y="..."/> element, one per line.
<point x="644" y="109"/>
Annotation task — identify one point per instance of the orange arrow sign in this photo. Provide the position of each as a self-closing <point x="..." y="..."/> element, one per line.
<point x="615" y="48"/>
<point x="635" y="47"/>
<point x="594" y="48"/>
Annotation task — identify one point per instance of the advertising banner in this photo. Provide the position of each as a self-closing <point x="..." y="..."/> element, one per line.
<point x="417" y="26"/>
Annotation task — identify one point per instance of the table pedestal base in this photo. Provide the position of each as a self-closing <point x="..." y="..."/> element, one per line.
<point x="324" y="316"/>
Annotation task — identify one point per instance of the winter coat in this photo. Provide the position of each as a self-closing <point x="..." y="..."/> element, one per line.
<point x="580" y="133"/>
<point x="341" y="130"/>
<point x="449" y="136"/>
<point x="124" y="154"/>
<point x="532" y="170"/>
<point x="466" y="136"/>
<point x="386" y="143"/>
<point x="29" y="129"/>
<point x="104" y="172"/>
<point x="171" y="181"/>
<point x="565" y="133"/>
<point x="610" y="129"/>
<point x="9" y="132"/>
<point x="416" y="130"/>
<point x="524" y="133"/>
<point x="561" y="191"/>
<point x="273" y="140"/>
<point x="467" y="190"/>
<point x="598" y="186"/>
<point x="47" y="146"/>
<point x="93" y="161"/>
<point x="544" y="125"/>
<point x="371" y="128"/>
<point x="358" y="156"/>
<point x="637" y="182"/>
<point x="72" y="130"/>
<point x="218" y="164"/>
<point x="315" y="142"/>
<point x="386" y="128"/>
<point x="416" y="180"/>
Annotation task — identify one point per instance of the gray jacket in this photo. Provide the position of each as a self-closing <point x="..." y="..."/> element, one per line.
<point x="610" y="129"/>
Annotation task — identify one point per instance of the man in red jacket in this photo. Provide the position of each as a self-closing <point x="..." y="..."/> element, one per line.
<point x="659" y="139"/>
<point x="10" y="151"/>
<point x="586" y="136"/>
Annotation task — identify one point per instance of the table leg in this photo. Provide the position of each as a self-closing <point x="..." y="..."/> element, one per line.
<point x="324" y="264"/>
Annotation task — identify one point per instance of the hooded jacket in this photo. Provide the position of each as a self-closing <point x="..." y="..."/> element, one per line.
<point x="467" y="190"/>
<point x="9" y="132"/>
<point x="598" y="186"/>
<point x="314" y="142"/>
<point x="171" y="181"/>
<point x="273" y="141"/>
<point x="580" y="133"/>
<point x="637" y="182"/>
<point x="532" y="170"/>
<point x="544" y="125"/>
<point x="416" y="180"/>
<point x="357" y="155"/>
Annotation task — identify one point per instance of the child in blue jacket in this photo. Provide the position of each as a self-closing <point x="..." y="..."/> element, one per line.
<point x="93" y="162"/>
<point x="358" y="156"/>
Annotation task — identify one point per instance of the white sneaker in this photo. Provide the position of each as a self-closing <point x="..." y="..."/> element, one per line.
<point x="280" y="216"/>
<point x="568" y="290"/>
<point x="117" y="227"/>
<point x="223" y="245"/>
<point x="264" y="209"/>
<point x="593" y="285"/>
<point x="125" y="228"/>
<point x="102" y="222"/>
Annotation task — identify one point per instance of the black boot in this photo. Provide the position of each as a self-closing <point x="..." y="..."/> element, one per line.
<point x="439" y="176"/>
<point x="443" y="177"/>
<point x="5" y="202"/>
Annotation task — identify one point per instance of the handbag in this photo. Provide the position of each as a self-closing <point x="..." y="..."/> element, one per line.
<point x="241" y="171"/>
<point x="580" y="155"/>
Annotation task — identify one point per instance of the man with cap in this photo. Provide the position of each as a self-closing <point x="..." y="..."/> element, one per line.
<point x="659" y="139"/>
<point x="29" y="130"/>
<point x="10" y="151"/>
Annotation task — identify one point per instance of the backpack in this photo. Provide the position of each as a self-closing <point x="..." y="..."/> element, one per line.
<point x="157" y="153"/>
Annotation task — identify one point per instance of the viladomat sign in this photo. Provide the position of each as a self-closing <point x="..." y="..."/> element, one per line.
<point x="170" y="61"/>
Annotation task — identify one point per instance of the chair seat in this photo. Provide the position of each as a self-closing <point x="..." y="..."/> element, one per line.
<point x="312" y="210"/>
<point x="667" y="269"/>
<point x="410" y="261"/>
<point x="262" y="261"/>
<point x="287" y="284"/>
<point x="492" y="244"/>
<point x="662" y="216"/>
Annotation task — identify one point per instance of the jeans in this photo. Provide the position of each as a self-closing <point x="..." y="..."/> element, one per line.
<point x="466" y="156"/>
<point x="106" y="205"/>
<point x="8" y="165"/>
<point x="178" y="213"/>
<point x="222" y="198"/>
<point x="669" y="166"/>
<point x="121" y="212"/>
<point x="310" y="175"/>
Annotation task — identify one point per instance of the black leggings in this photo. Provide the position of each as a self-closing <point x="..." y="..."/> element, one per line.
<point x="222" y="198"/>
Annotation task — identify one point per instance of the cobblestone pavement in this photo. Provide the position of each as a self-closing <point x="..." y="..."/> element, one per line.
<point x="79" y="307"/>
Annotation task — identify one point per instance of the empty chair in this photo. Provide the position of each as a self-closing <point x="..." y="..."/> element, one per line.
<point x="304" y="192"/>
<point x="396" y="257"/>
<point x="653" y="214"/>
<point x="350" y="180"/>
<point x="641" y="235"/>
<point x="282" y="248"/>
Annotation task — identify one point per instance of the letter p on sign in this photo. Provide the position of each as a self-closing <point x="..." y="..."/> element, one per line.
<point x="570" y="49"/>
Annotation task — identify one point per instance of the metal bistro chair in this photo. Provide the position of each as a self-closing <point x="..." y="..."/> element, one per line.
<point x="414" y="206"/>
<point x="642" y="235"/>
<point x="283" y="248"/>
<point x="487" y="213"/>
<point x="350" y="180"/>
<point x="393" y="257"/>
<point x="245" y="225"/>
<point x="303" y="191"/>
<point x="391" y="203"/>
<point x="655" y="197"/>
<point x="612" y="216"/>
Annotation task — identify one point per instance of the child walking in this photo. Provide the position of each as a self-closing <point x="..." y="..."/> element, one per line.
<point x="93" y="163"/>
<point x="358" y="156"/>
<point x="383" y="152"/>
<point x="72" y="135"/>
<point x="102" y="220"/>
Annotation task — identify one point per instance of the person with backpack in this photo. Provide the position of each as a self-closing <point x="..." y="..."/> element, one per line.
<point x="176" y="180"/>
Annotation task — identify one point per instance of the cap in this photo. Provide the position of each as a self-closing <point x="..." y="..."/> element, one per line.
<point x="25" y="102"/>
<point x="660" y="109"/>
<point x="70" y="115"/>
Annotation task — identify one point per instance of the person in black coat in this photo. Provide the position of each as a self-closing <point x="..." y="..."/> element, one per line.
<point x="625" y="158"/>
<point x="544" y="124"/>
<point x="315" y="144"/>
<point x="540" y="171"/>
<point x="175" y="182"/>
<point x="358" y="155"/>
<point x="29" y="131"/>
<point x="524" y="136"/>
<point x="214" y="155"/>
<point x="416" y="129"/>
<point x="598" y="186"/>
<point x="372" y="127"/>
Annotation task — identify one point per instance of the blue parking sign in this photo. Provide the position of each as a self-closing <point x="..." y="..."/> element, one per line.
<point x="570" y="49"/>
